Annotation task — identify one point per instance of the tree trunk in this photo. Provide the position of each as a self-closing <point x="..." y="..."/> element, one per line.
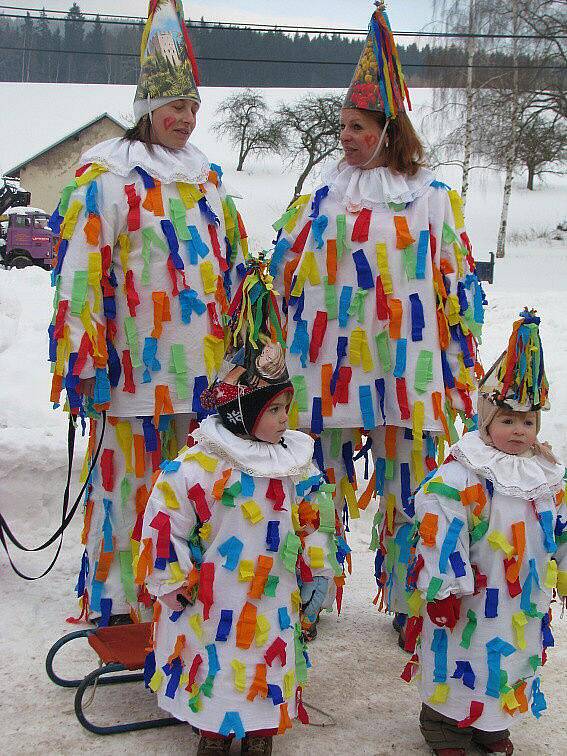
<point x="511" y="157"/>
<point x="299" y="186"/>
<point x="470" y="104"/>
<point x="531" y="176"/>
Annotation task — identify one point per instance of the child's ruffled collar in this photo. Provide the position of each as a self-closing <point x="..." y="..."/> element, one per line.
<point x="524" y="476"/>
<point x="257" y="458"/>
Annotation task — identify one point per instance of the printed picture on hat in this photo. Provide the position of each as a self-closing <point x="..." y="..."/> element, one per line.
<point x="166" y="69"/>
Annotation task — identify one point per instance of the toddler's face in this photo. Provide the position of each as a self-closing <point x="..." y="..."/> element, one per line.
<point x="513" y="432"/>
<point x="273" y="422"/>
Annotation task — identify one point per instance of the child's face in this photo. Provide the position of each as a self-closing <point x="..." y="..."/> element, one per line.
<point x="513" y="432"/>
<point x="273" y="422"/>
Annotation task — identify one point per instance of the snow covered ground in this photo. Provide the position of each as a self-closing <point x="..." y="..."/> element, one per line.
<point x="356" y="660"/>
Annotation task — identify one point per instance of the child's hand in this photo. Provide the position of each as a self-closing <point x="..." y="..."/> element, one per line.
<point x="446" y="612"/>
<point x="313" y="595"/>
<point x="171" y="601"/>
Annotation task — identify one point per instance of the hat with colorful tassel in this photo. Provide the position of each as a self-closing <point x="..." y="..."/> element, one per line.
<point x="517" y="379"/>
<point x="168" y="66"/>
<point x="378" y="84"/>
<point x="254" y="372"/>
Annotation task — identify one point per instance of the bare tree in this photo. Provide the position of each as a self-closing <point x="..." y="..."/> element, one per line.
<point x="244" y="119"/>
<point x="313" y="132"/>
<point x="542" y="147"/>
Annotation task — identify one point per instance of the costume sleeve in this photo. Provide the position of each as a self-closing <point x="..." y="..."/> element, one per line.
<point x="169" y="520"/>
<point x="292" y="230"/>
<point x="460" y="303"/>
<point x="87" y="222"/>
<point x="314" y="522"/>
<point x="561" y="541"/>
<point x="442" y="554"/>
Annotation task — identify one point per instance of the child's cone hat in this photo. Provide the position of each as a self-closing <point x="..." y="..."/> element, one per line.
<point x="168" y="67"/>
<point x="517" y="379"/>
<point x="378" y="84"/>
<point x="254" y="371"/>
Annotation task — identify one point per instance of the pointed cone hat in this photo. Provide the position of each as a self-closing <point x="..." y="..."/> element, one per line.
<point x="168" y="67"/>
<point x="254" y="371"/>
<point x="517" y="379"/>
<point x="378" y="83"/>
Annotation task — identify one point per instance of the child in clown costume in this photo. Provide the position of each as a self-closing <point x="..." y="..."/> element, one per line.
<point x="231" y="530"/>
<point x="148" y="239"/>
<point x="492" y="551"/>
<point x="384" y="309"/>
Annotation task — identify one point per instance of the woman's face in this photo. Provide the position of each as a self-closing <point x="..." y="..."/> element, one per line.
<point x="173" y="123"/>
<point x="360" y="134"/>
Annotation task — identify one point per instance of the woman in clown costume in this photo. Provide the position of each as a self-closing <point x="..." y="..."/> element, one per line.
<point x="384" y="310"/>
<point x="148" y="239"/>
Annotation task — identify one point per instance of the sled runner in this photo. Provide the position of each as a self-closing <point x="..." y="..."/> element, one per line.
<point x="121" y="649"/>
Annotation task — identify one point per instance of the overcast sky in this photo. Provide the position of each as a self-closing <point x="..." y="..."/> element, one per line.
<point x="405" y="15"/>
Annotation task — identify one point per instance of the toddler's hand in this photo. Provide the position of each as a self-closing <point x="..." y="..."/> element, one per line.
<point x="446" y="612"/>
<point x="171" y="601"/>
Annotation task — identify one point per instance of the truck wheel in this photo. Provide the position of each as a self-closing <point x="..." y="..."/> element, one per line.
<point x="19" y="261"/>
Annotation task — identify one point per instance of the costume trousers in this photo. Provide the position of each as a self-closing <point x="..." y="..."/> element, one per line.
<point x="132" y="450"/>
<point x="440" y="732"/>
<point x="400" y="463"/>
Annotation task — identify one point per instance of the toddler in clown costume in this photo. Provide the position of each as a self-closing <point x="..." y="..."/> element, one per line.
<point x="238" y="535"/>
<point x="492" y="551"/>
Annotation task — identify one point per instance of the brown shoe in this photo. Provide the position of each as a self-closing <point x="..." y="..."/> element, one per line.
<point x="500" y="746"/>
<point x="212" y="746"/>
<point x="261" y="745"/>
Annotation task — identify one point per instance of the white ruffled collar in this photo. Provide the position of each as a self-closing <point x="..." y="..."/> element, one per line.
<point x="256" y="457"/>
<point x="121" y="156"/>
<point x="522" y="476"/>
<point x="375" y="186"/>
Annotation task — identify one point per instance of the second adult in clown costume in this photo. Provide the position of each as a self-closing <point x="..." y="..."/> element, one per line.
<point x="384" y="310"/>
<point x="148" y="238"/>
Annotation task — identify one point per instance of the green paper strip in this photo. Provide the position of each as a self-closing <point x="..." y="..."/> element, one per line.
<point x="326" y="507"/>
<point x="79" y="291"/>
<point x="442" y="489"/>
<point x="479" y="531"/>
<point x="434" y="587"/>
<point x="336" y="442"/>
<point x="449" y="235"/>
<point x="300" y="392"/>
<point x="66" y="196"/>
<point x="285" y="218"/>
<point x="271" y="585"/>
<point x="125" y="492"/>
<point x="127" y="577"/>
<point x="341" y="236"/>
<point x="384" y="352"/>
<point x="300" y="663"/>
<point x="469" y="629"/>
<point x="178" y="215"/>
<point x="131" y="331"/>
<point x="357" y="305"/>
<point x="331" y="300"/>
<point x="409" y="258"/>
<point x="423" y="371"/>
<point x="389" y="469"/>
<point x="230" y="494"/>
<point x="289" y="551"/>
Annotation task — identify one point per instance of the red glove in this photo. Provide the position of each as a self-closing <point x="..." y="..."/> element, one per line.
<point x="446" y="612"/>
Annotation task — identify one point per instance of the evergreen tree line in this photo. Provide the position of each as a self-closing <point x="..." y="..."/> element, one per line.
<point x="71" y="49"/>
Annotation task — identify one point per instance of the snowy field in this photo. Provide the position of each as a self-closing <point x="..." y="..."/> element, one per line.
<point x="356" y="660"/>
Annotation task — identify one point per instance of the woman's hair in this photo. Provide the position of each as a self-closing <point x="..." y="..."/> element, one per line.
<point x="405" y="152"/>
<point x="141" y="132"/>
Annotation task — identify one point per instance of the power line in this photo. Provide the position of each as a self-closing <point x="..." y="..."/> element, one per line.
<point x="287" y="61"/>
<point x="91" y="18"/>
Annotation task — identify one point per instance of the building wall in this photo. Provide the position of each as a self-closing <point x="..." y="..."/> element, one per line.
<point x="45" y="176"/>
